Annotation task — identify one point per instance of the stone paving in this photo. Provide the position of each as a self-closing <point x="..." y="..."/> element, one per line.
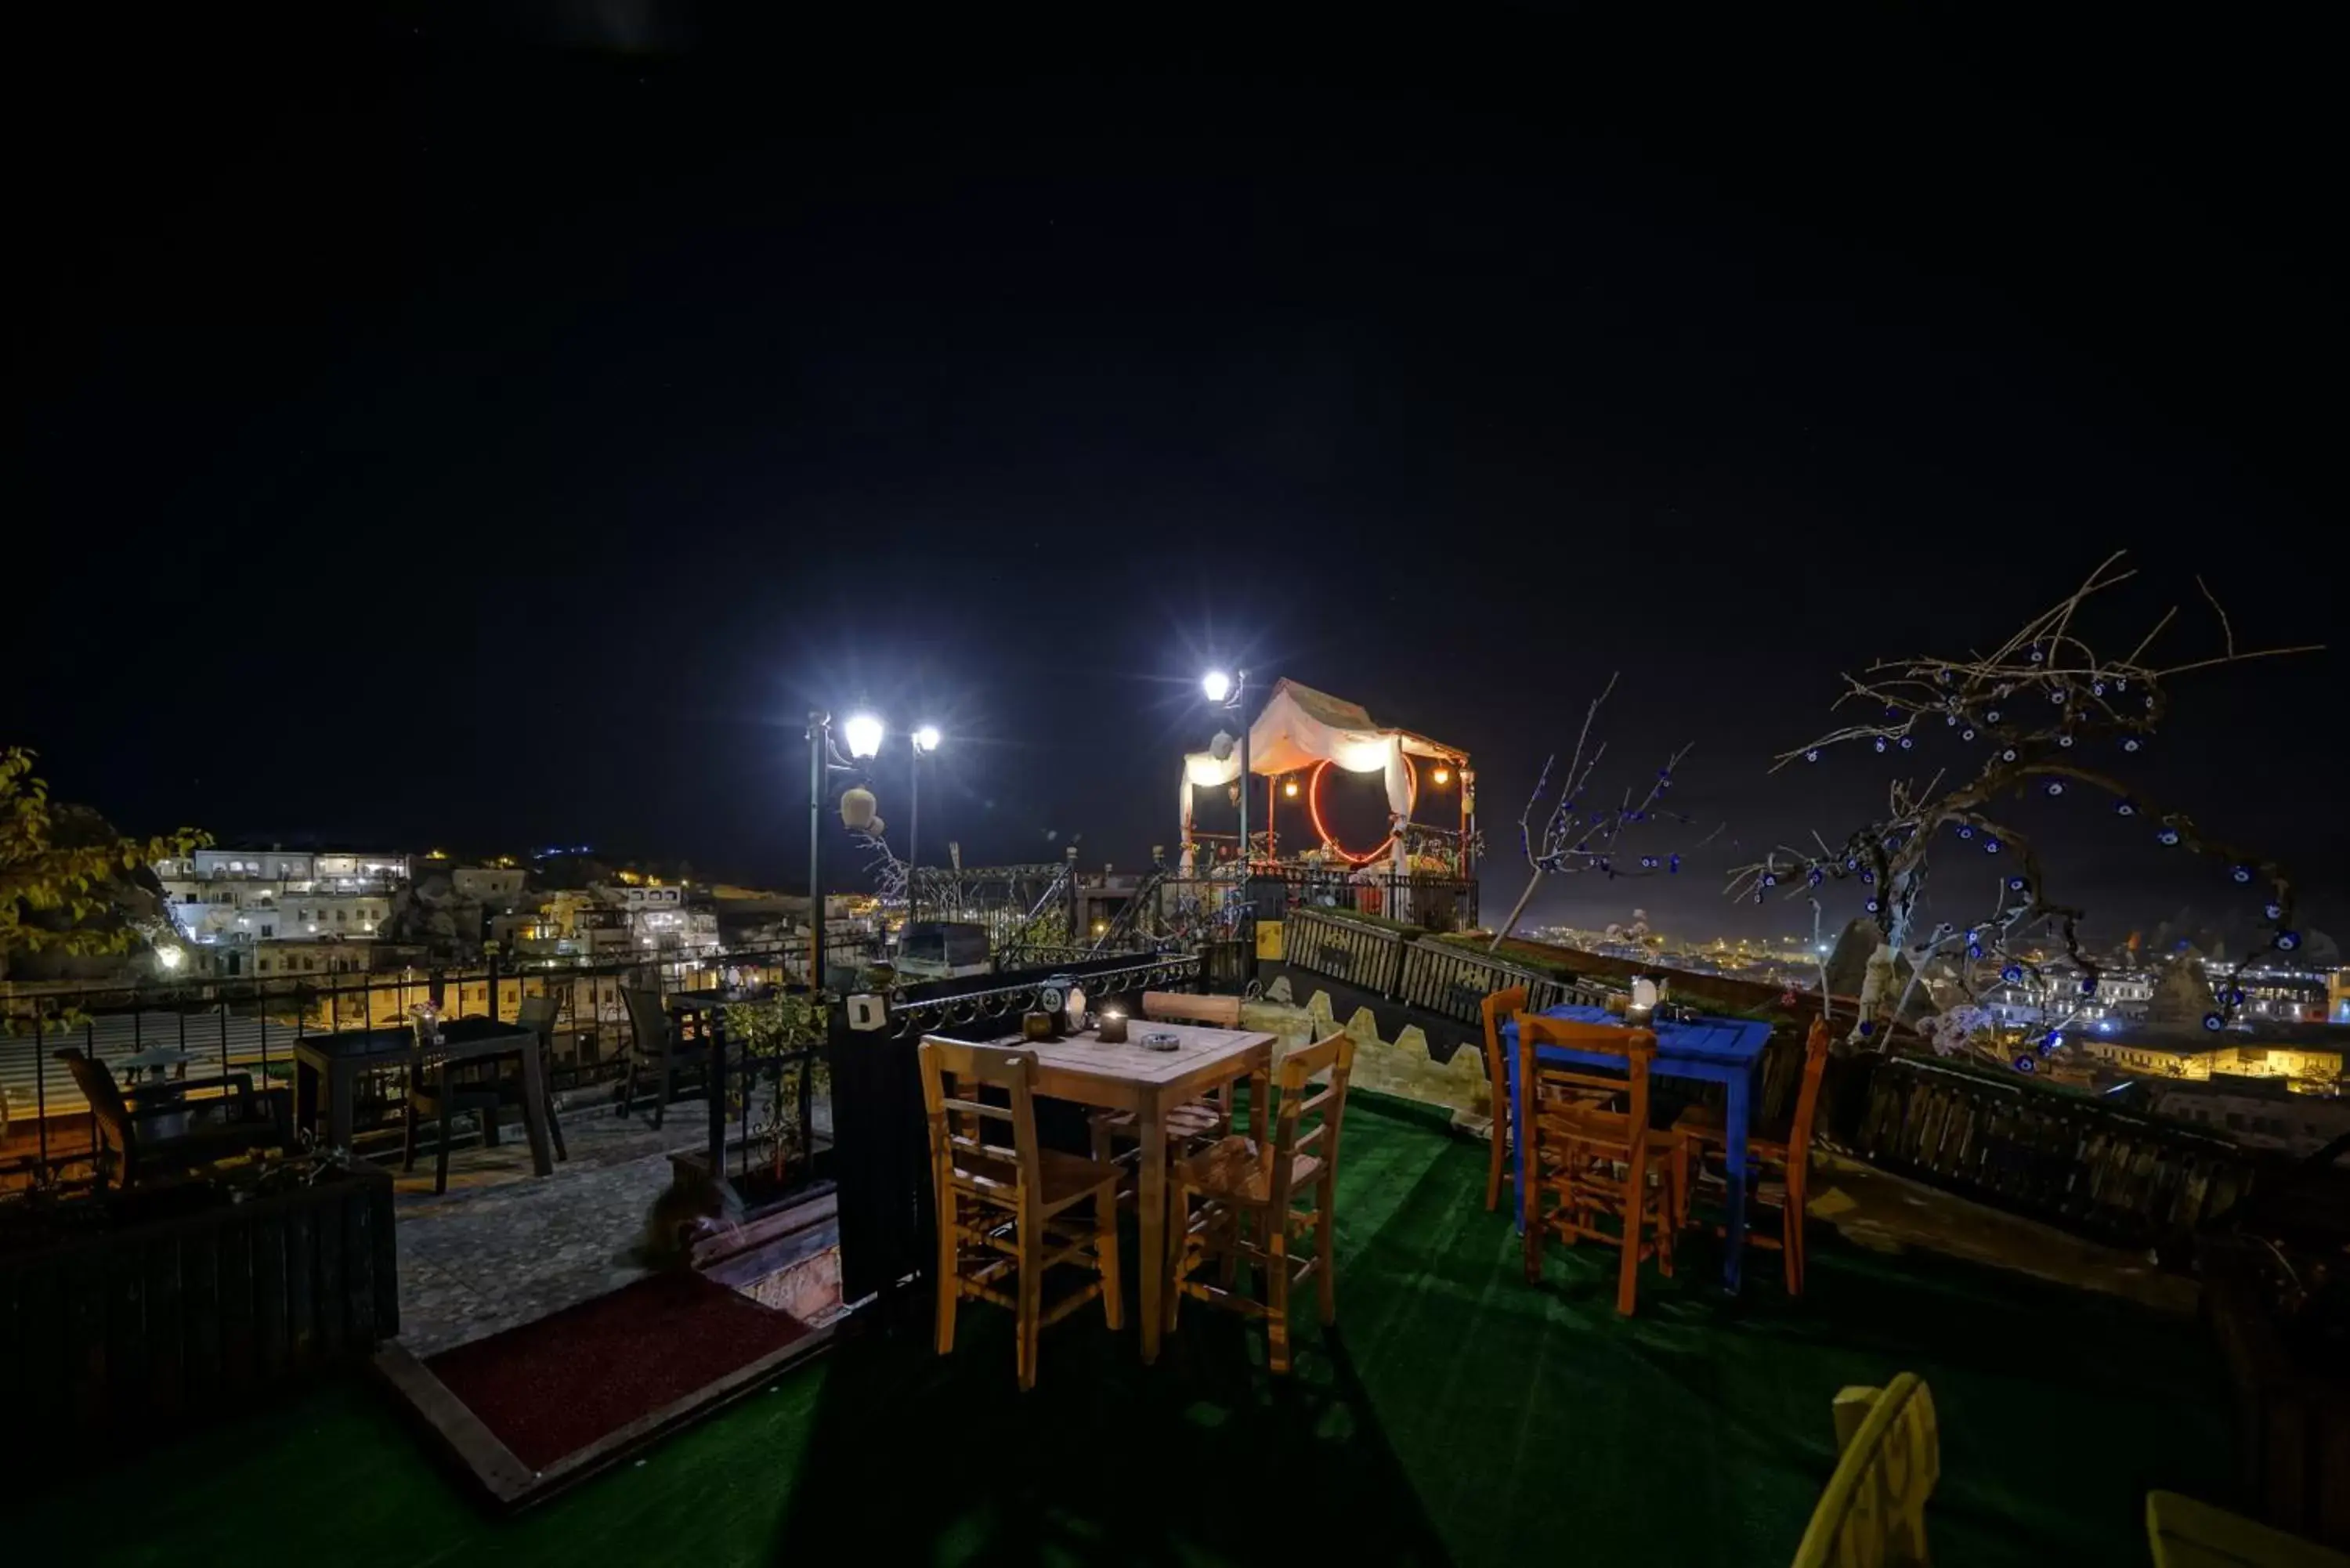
<point x="503" y="1247"/>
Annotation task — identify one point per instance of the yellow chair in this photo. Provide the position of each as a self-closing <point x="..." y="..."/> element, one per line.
<point x="1873" y="1513"/>
<point x="1497" y="1008"/>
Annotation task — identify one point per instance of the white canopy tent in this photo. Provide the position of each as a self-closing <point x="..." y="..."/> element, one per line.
<point x="1300" y="728"/>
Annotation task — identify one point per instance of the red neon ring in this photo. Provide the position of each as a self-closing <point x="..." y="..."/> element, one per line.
<point x="1314" y="810"/>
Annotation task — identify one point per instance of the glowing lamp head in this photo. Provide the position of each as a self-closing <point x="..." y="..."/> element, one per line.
<point x="863" y="733"/>
<point x="1217" y="685"/>
<point x="1442" y="776"/>
<point x="1289" y="788"/>
<point x="170" y="958"/>
<point x="926" y="739"/>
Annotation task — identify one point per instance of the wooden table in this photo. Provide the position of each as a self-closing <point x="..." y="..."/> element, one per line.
<point x="327" y="1067"/>
<point x="1134" y="1078"/>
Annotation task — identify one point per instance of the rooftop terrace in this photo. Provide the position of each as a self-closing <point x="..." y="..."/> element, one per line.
<point x="1458" y="1415"/>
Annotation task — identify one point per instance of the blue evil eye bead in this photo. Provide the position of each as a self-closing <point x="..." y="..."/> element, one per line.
<point x="1852" y="864"/>
<point x="2036" y="655"/>
<point x="1975" y="950"/>
<point x="1666" y="774"/>
<point x="1992" y="717"/>
<point x="2057" y="696"/>
<point x="1769" y="880"/>
<point x="2273" y="911"/>
<point x="2097" y="689"/>
<point x="1891" y="711"/>
<point x="1818" y="877"/>
<point x="1966" y="734"/>
<point x="1813" y="755"/>
<point x="2287" y="941"/>
<point x="2129" y="744"/>
<point x="1965" y="831"/>
<point x="2055" y="786"/>
<point x="1991" y="846"/>
<point x="2007" y="754"/>
<point x="2167" y="836"/>
<point x="2012" y="973"/>
<point x="2089" y="986"/>
<point x="2242" y="873"/>
<point x="2025" y="1064"/>
<point x="2065" y="741"/>
<point x="1907" y="743"/>
<point x="1872" y="906"/>
<point x="2214" y="1023"/>
<point x="1673" y="865"/>
<point x="1869" y="876"/>
<point x="2126" y="808"/>
<point x="2015" y="883"/>
<point x="2149" y="702"/>
<point x="1868" y="1028"/>
<point x="1950" y="721"/>
<point x="1648" y="862"/>
<point x="2233" y="996"/>
<point x="1880" y="742"/>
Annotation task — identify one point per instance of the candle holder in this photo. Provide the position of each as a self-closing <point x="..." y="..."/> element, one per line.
<point x="1113" y="1029"/>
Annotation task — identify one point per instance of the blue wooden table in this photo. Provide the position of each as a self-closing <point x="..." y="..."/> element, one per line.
<point x="1715" y="1050"/>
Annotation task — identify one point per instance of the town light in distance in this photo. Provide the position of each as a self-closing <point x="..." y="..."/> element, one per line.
<point x="926" y="739"/>
<point x="863" y="733"/>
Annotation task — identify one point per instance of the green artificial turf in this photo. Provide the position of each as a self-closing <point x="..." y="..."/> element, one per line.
<point x="1458" y="1415"/>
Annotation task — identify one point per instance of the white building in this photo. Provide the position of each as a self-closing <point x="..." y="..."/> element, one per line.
<point x="238" y="895"/>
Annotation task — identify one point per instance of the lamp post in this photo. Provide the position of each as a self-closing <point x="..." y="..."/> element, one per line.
<point x="1225" y="691"/>
<point x="926" y="741"/>
<point x="863" y="733"/>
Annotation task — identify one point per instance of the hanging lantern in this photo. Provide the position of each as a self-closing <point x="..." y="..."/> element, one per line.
<point x="857" y="806"/>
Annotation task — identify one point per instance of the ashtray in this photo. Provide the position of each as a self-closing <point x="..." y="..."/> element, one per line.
<point x="1160" y="1040"/>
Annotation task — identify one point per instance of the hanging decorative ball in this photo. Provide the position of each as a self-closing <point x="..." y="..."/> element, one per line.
<point x="1813" y="755"/>
<point x="1950" y="721"/>
<point x="2057" y="696"/>
<point x="2274" y="911"/>
<point x="2025" y="1064"/>
<point x="2065" y="741"/>
<point x="2097" y="688"/>
<point x="1907" y="743"/>
<point x="2242" y="873"/>
<point x="1850" y="864"/>
<point x="1872" y="906"/>
<point x="2130" y="744"/>
<point x="1991" y="846"/>
<point x="1965" y="831"/>
<point x="2286" y="940"/>
<point x="1992" y="717"/>
<point x="2214" y="1023"/>
<point x="2012" y="973"/>
<point x="2008" y="754"/>
<point x="1769" y="879"/>
<point x="2126" y="808"/>
<point x="2167" y="836"/>
<point x="1966" y="734"/>
<point x="1880" y="742"/>
<point x="2015" y="883"/>
<point x="1869" y="876"/>
<point x="2036" y="655"/>
<point x="1975" y="950"/>
<point x="2055" y="786"/>
<point x="1818" y="877"/>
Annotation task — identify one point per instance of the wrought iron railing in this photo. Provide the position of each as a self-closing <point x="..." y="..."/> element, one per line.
<point x="2070" y="1158"/>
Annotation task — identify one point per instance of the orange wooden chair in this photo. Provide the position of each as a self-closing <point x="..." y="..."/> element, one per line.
<point x="1000" y="1207"/>
<point x="1497" y="1007"/>
<point x="1237" y="1182"/>
<point x="1593" y="1163"/>
<point x="1781" y="1155"/>
<point x="1195" y="1124"/>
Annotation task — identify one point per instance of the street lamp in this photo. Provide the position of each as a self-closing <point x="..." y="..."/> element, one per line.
<point x="926" y="741"/>
<point x="863" y="733"/>
<point x="1225" y="691"/>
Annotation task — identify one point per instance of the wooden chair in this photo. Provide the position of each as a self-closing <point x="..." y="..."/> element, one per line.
<point x="1594" y="1162"/>
<point x="1498" y="1008"/>
<point x="1239" y="1183"/>
<point x="1195" y="1124"/>
<point x="998" y="1206"/>
<point x="1780" y="1156"/>
<point x="537" y="1014"/>
<point x="153" y="1132"/>
<point x="1873" y="1509"/>
<point x="655" y="1051"/>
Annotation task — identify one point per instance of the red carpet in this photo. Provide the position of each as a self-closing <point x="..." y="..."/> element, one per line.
<point x="551" y="1387"/>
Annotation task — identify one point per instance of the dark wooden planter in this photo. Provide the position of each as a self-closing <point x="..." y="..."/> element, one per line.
<point x="171" y="1322"/>
<point x="2293" y="1417"/>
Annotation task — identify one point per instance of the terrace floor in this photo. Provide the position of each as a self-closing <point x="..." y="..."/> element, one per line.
<point x="1458" y="1415"/>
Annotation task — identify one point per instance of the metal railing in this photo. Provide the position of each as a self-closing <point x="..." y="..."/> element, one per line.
<point x="220" y="1026"/>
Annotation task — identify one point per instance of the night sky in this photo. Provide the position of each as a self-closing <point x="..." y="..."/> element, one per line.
<point x="502" y="434"/>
